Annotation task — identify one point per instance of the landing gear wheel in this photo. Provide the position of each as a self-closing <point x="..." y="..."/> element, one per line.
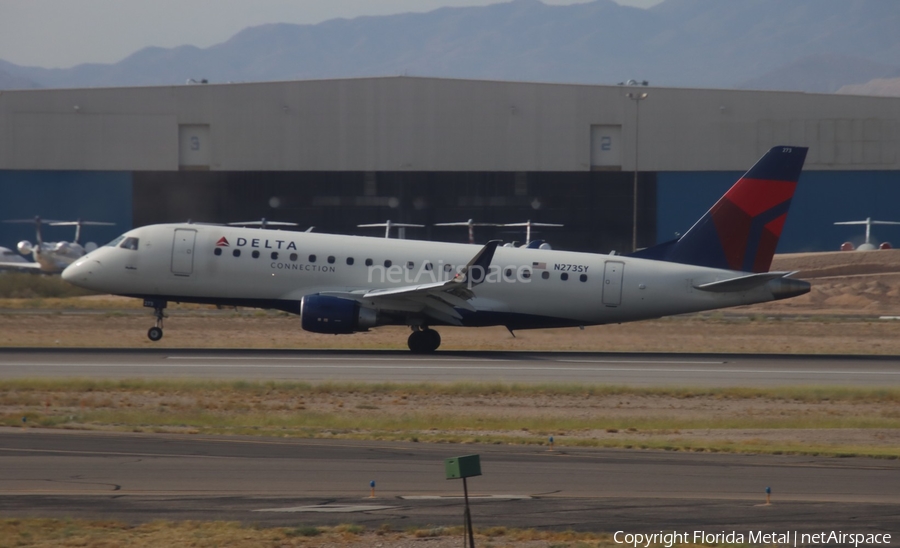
<point x="424" y="341"/>
<point x="155" y="333"/>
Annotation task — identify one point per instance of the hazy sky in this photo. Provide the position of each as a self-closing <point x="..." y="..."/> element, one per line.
<point x="63" y="33"/>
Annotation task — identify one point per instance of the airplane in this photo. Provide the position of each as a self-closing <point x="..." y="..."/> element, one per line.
<point x="528" y="224"/>
<point x="341" y="284"/>
<point x="401" y="228"/>
<point x="868" y="245"/>
<point x="471" y="224"/>
<point x="9" y="257"/>
<point x="263" y="223"/>
<point x="52" y="257"/>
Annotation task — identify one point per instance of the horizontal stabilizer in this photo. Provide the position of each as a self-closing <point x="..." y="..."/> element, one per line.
<point x="742" y="283"/>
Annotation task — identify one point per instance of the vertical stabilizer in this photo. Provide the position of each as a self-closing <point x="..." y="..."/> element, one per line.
<point x="741" y="231"/>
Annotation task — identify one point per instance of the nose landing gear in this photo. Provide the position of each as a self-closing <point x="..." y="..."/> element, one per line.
<point x="424" y="340"/>
<point x="155" y="333"/>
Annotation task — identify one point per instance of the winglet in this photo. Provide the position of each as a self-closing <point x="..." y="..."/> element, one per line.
<point x="479" y="264"/>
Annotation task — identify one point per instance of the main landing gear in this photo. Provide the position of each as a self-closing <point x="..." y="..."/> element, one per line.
<point x="155" y="333"/>
<point x="424" y="340"/>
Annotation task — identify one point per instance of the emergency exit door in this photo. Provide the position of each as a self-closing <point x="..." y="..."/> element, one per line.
<point x="183" y="251"/>
<point x="612" y="283"/>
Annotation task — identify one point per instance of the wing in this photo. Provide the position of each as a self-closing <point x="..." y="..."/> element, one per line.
<point x="21" y="266"/>
<point x="437" y="300"/>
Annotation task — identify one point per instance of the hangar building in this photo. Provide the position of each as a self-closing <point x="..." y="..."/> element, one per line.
<point x="336" y="153"/>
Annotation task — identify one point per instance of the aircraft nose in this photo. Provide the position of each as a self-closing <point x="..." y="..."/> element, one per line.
<point x="80" y="272"/>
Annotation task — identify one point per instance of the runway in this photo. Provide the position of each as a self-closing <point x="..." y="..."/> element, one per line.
<point x="632" y="369"/>
<point x="140" y="477"/>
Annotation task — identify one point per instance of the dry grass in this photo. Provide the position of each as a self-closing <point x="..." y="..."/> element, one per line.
<point x="40" y="533"/>
<point x="826" y="421"/>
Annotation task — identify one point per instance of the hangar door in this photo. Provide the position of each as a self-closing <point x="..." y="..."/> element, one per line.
<point x="183" y="252"/>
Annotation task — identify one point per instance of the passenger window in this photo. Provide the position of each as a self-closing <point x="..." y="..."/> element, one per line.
<point x="312" y="258"/>
<point x="218" y="251"/>
<point x="410" y="265"/>
<point x="545" y="275"/>
<point x="236" y="252"/>
<point x="564" y="276"/>
<point x="526" y="274"/>
<point x="255" y="254"/>
<point x="428" y="266"/>
<point x="387" y="263"/>
<point x="369" y="262"/>
<point x="130" y="243"/>
<point x="508" y="274"/>
<point x="274" y="255"/>
<point x="583" y="277"/>
<point x="294" y="257"/>
<point x="349" y="260"/>
<point x="448" y="267"/>
<point x="331" y="259"/>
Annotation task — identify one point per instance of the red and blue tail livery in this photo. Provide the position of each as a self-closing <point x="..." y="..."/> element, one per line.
<point x="741" y="231"/>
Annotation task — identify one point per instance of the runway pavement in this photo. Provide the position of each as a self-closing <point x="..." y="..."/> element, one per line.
<point x="636" y="369"/>
<point x="141" y="477"/>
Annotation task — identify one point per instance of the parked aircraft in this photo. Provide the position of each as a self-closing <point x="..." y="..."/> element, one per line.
<point x="536" y="244"/>
<point x="528" y="224"/>
<point x="344" y="284"/>
<point x="9" y="257"/>
<point x="52" y="257"/>
<point x="868" y="245"/>
<point x="263" y="223"/>
<point x="471" y="224"/>
<point x="388" y="225"/>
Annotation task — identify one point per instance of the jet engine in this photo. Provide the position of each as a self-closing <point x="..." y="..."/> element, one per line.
<point x="24" y="247"/>
<point x="333" y="315"/>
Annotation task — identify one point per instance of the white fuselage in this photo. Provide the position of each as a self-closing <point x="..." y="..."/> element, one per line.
<point x="275" y="269"/>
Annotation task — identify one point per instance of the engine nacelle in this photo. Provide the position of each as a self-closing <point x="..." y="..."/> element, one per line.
<point x="333" y="315"/>
<point x="24" y="247"/>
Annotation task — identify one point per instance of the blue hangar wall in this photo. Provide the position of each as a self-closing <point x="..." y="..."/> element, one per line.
<point x="821" y="199"/>
<point x="64" y="196"/>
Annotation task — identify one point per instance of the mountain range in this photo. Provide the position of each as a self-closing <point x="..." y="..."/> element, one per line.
<point x="802" y="45"/>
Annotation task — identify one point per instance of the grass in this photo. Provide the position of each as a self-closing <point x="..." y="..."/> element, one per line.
<point x="24" y="285"/>
<point x="40" y="532"/>
<point x="242" y="388"/>
<point x="482" y="412"/>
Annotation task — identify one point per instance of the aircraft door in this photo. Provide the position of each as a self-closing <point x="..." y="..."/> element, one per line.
<point x="183" y="251"/>
<point x="612" y="283"/>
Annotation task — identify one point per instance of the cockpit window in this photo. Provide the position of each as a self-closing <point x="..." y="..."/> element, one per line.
<point x="115" y="242"/>
<point x="130" y="243"/>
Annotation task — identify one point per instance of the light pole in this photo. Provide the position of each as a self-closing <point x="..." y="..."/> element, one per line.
<point x="637" y="98"/>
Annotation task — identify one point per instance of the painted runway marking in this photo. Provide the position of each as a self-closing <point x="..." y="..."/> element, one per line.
<point x="419" y="360"/>
<point x="330" y="508"/>
<point x="420" y="367"/>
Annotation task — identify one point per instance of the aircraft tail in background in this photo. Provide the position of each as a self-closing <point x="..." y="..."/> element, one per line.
<point x="741" y="231"/>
